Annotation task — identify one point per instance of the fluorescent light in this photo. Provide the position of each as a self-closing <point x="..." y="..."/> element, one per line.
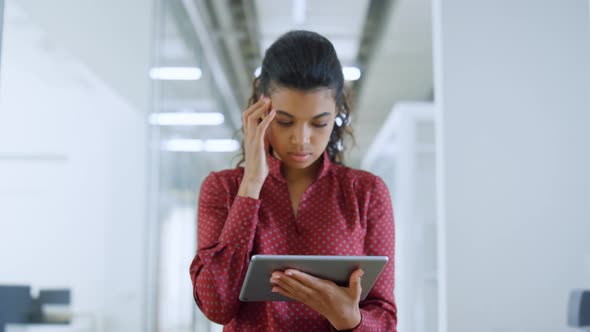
<point x="221" y="145"/>
<point x="176" y="73"/>
<point x="299" y="11"/>
<point x="197" y="145"/>
<point x="187" y="119"/>
<point x="183" y="145"/>
<point x="351" y="73"/>
<point x="257" y="71"/>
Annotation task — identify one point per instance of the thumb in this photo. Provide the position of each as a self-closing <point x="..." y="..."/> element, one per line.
<point x="266" y="143"/>
<point x="354" y="283"/>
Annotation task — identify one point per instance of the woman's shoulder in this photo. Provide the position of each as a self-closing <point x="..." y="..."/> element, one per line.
<point x="364" y="185"/>
<point x="357" y="177"/>
<point x="229" y="173"/>
<point x="226" y="178"/>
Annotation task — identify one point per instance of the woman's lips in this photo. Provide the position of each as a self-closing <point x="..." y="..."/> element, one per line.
<point x="299" y="157"/>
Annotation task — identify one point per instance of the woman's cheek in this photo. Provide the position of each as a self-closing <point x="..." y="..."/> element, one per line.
<point x="270" y="132"/>
<point x="272" y="139"/>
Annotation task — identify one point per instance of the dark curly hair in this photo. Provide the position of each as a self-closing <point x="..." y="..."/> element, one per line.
<point x="306" y="61"/>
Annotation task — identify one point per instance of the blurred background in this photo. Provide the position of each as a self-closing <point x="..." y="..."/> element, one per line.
<point x="475" y="113"/>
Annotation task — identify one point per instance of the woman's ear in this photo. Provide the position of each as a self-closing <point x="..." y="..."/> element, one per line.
<point x="276" y="155"/>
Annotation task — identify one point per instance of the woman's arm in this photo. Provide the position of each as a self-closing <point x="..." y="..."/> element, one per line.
<point x="378" y="310"/>
<point x="225" y="239"/>
<point x="226" y="234"/>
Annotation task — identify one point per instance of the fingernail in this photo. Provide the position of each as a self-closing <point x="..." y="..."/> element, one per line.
<point x="289" y="273"/>
<point x="261" y="96"/>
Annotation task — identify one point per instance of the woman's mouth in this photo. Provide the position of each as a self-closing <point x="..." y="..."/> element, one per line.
<point x="299" y="157"/>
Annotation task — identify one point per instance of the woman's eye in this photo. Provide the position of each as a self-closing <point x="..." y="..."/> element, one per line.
<point x="286" y="124"/>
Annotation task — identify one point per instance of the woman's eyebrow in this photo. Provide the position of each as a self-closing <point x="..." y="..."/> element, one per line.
<point x="322" y="114"/>
<point x="284" y="113"/>
<point x="291" y="116"/>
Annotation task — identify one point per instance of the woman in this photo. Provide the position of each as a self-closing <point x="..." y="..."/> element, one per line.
<point x="294" y="197"/>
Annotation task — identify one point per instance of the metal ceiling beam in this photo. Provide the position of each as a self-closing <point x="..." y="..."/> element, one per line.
<point x="213" y="55"/>
<point x="251" y="21"/>
<point x="232" y="48"/>
<point x="372" y="34"/>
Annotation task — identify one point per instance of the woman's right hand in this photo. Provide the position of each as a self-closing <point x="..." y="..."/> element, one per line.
<point x="256" y="147"/>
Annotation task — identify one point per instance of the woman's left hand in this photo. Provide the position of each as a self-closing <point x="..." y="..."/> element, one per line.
<point x="340" y="305"/>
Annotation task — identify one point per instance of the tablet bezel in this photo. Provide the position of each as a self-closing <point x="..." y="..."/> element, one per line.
<point x="257" y="286"/>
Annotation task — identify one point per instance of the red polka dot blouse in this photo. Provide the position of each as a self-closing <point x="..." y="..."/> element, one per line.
<point x="344" y="212"/>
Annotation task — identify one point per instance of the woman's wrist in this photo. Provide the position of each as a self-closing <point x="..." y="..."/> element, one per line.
<point x="250" y="188"/>
<point x="348" y="323"/>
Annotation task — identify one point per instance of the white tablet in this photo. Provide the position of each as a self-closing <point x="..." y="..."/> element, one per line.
<point x="257" y="286"/>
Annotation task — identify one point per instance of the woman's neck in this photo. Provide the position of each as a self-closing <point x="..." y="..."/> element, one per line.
<point x="297" y="174"/>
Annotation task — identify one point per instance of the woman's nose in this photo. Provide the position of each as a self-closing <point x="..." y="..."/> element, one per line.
<point x="300" y="135"/>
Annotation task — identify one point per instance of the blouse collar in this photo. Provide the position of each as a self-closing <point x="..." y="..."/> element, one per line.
<point x="274" y="166"/>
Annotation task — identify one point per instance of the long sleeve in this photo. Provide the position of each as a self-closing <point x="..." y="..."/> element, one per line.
<point x="378" y="310"/>
<point x="225" y="238"/>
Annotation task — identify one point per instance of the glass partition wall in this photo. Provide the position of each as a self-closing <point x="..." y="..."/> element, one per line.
<point x="191" y="135"/>
<point x="1" y="25"/>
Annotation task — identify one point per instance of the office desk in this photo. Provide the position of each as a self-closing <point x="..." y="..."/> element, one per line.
<point x="77" y="325"/>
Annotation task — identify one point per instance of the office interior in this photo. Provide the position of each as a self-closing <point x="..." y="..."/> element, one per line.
<point x="475" y="113"/>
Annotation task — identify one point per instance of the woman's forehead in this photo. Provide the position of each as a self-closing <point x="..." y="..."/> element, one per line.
<point x="303" y="103"/>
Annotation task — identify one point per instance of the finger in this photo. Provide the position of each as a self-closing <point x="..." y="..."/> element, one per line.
<point x="278" y="289"/>
<point x="253" y="118"/>
<point x="246" y="114"/>
<point x="266" y="144"/>
<point x="256" y="105"/>
<point x="258" y="113"/>
<point x="251" y="109"/>
<point x="263" y="126"/>
<point x="297" y="290"/>
<point x="306" y="279"/>
<point x="354" y="283"/>
<point x="286" y="283"/>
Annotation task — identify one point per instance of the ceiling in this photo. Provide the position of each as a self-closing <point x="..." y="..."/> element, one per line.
<point x="389" y="40"/>
<point x="341" y="21"/>
<point x="400" y="69"/>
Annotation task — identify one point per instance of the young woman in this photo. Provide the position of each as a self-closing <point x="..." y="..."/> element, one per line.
<point x="294" y="197"/>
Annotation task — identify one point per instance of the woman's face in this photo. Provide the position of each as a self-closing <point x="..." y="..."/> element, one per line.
<point x="302" y="126"/>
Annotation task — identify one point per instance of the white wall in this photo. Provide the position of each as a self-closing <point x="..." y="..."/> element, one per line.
<point x="513" y="87"/>
<point x="403" y="155"/>
<point x="113" y="38"/>
<point x="72" y="179"/>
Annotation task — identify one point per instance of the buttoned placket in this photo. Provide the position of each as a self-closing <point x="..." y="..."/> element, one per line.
<point x="275" y="171"/>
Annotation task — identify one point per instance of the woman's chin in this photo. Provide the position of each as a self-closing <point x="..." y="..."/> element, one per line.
<point x="300" y="163"/>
